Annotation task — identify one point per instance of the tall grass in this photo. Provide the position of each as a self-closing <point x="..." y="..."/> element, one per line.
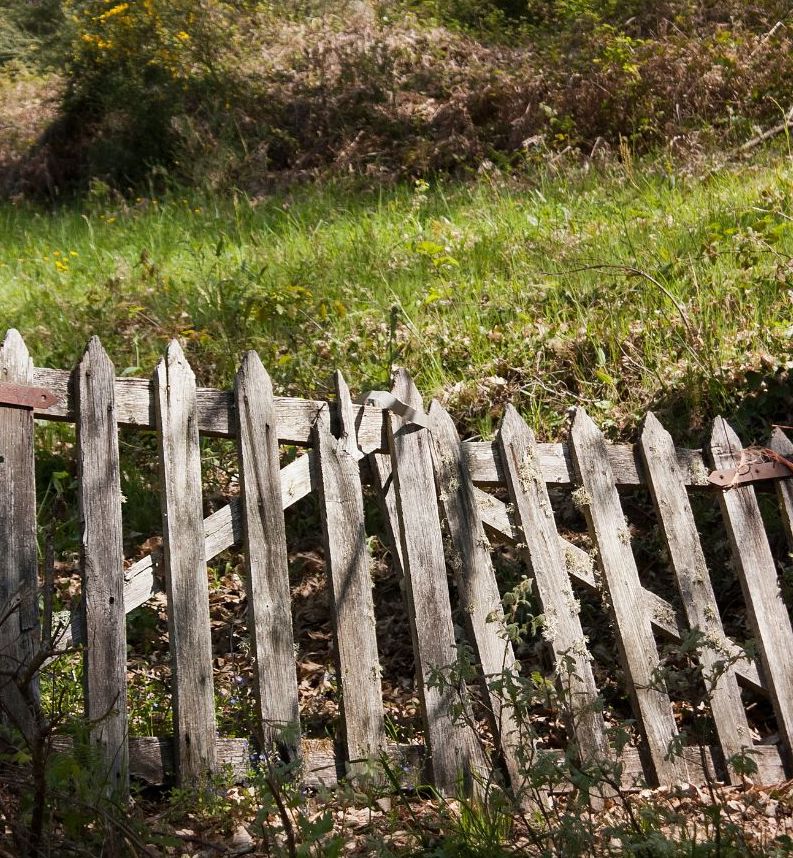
<point x="623" y="289"/>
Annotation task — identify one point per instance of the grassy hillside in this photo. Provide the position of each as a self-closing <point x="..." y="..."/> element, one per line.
<point x="624" y="288"/>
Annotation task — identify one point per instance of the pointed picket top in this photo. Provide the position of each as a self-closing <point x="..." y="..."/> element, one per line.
<point x="15" y="362"/>
<point x="95" y="355"/>
<point x="724" y="445"/>
<point x="251" y="366"/>
<point x="174" y="365"/>
<point x="405" y="389"/>
<point x="780" y="442"/>
<point x="347" y="432"/>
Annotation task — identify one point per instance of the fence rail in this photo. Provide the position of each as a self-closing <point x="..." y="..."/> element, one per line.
<point x="426" y="480"/>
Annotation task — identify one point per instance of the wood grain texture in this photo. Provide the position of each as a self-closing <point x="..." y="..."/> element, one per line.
<point x="102" y="562"/>
<point x="266" y="562"/>
<point x="295" y="417"/>
<point x="477" y="587"/>
<point x="580" y="566"/>
<point x="670" y="498"/>
<point x="780" y="443"/>
<point x="350" y="584"/>
<point x="600" y="502"/>
<point x="151" y="761"/>
<point x="543" y="555"/>
<point x="453" y="752"/>
<point x="19" y="629"/>
<point x="185" y="567"/>
<point x="222" y="530"/>
<point x="754" y="563"/>
<point x="135" y="404"/>
<point x="556" y="465"/>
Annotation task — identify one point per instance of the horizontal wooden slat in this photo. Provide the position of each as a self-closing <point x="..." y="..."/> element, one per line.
<point x="216" y="411"/>
<point x="217" y="417"/>
<point x="484" y="463"/>
<point x="151" y="761"/>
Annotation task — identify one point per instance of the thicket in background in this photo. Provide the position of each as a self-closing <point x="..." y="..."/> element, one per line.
<point x="237" y="91"/>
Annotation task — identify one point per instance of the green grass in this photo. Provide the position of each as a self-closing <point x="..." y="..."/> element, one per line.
<point x="624" y="289"/>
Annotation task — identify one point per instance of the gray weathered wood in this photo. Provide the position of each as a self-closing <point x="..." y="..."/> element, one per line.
<point x="476" y="585"/>
<point x="780" y="443"/>
<point x="135" y="406"/>
<point x="295" y="417"/>
<point x="151" y="761"/>
<point x="486" y="468"/>
<point x="754" y="563"/>
<point x="687" y="559"/>
<point x="543" y="554"/>
<point x="222" y="530"/>
<point x="19" y="628"/>
<point x="452" y="746"/>
<point x="267" y="563"/>
<point x="600" y="502"/>
<point x="102" y="561"/>
<point x="350" y="583"/>
<point x="185" y="567"/>
<point x="580" y="566"/>
<point x="382" y="478"/>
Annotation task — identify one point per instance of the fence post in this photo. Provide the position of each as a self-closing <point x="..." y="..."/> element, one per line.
<point x="102" y="561"/>
<point x="19" y="622"/>
<point x="185" y="567"/>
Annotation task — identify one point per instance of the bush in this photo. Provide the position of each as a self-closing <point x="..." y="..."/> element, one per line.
<point x="135" y="66"/>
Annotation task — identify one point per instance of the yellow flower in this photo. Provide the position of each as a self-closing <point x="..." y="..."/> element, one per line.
<point x="182" y="36"/>
<point x="61" y="266"/>
<point x="116" y="10"/>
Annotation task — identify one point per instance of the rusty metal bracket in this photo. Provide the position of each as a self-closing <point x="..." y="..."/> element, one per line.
<point x="26" y="396"/>
<point x="750" y="473"/>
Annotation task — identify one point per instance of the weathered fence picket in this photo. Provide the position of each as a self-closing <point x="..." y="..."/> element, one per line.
<point x="453" y="751"/>
<point x="347" y="561"/>
<point x="600" y="502"/>
<point x="267" y="563"/>
<point x="754" y="563"/>
<point x="426" y="480"/>
<point x="543" y="555"/>
<point x="18" y="557"/>
<point x="477" y="587"/>
<point x="699" y="601"/>
<point x="102" y="557"/>
<point x="185" y="567"/>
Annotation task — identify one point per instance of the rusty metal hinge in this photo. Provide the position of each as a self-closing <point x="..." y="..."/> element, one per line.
<point x="26" y="396"/>
<point x="756" y="465"/>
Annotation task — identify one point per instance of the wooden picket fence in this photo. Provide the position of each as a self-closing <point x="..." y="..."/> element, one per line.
<point x="425" y="477"/>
